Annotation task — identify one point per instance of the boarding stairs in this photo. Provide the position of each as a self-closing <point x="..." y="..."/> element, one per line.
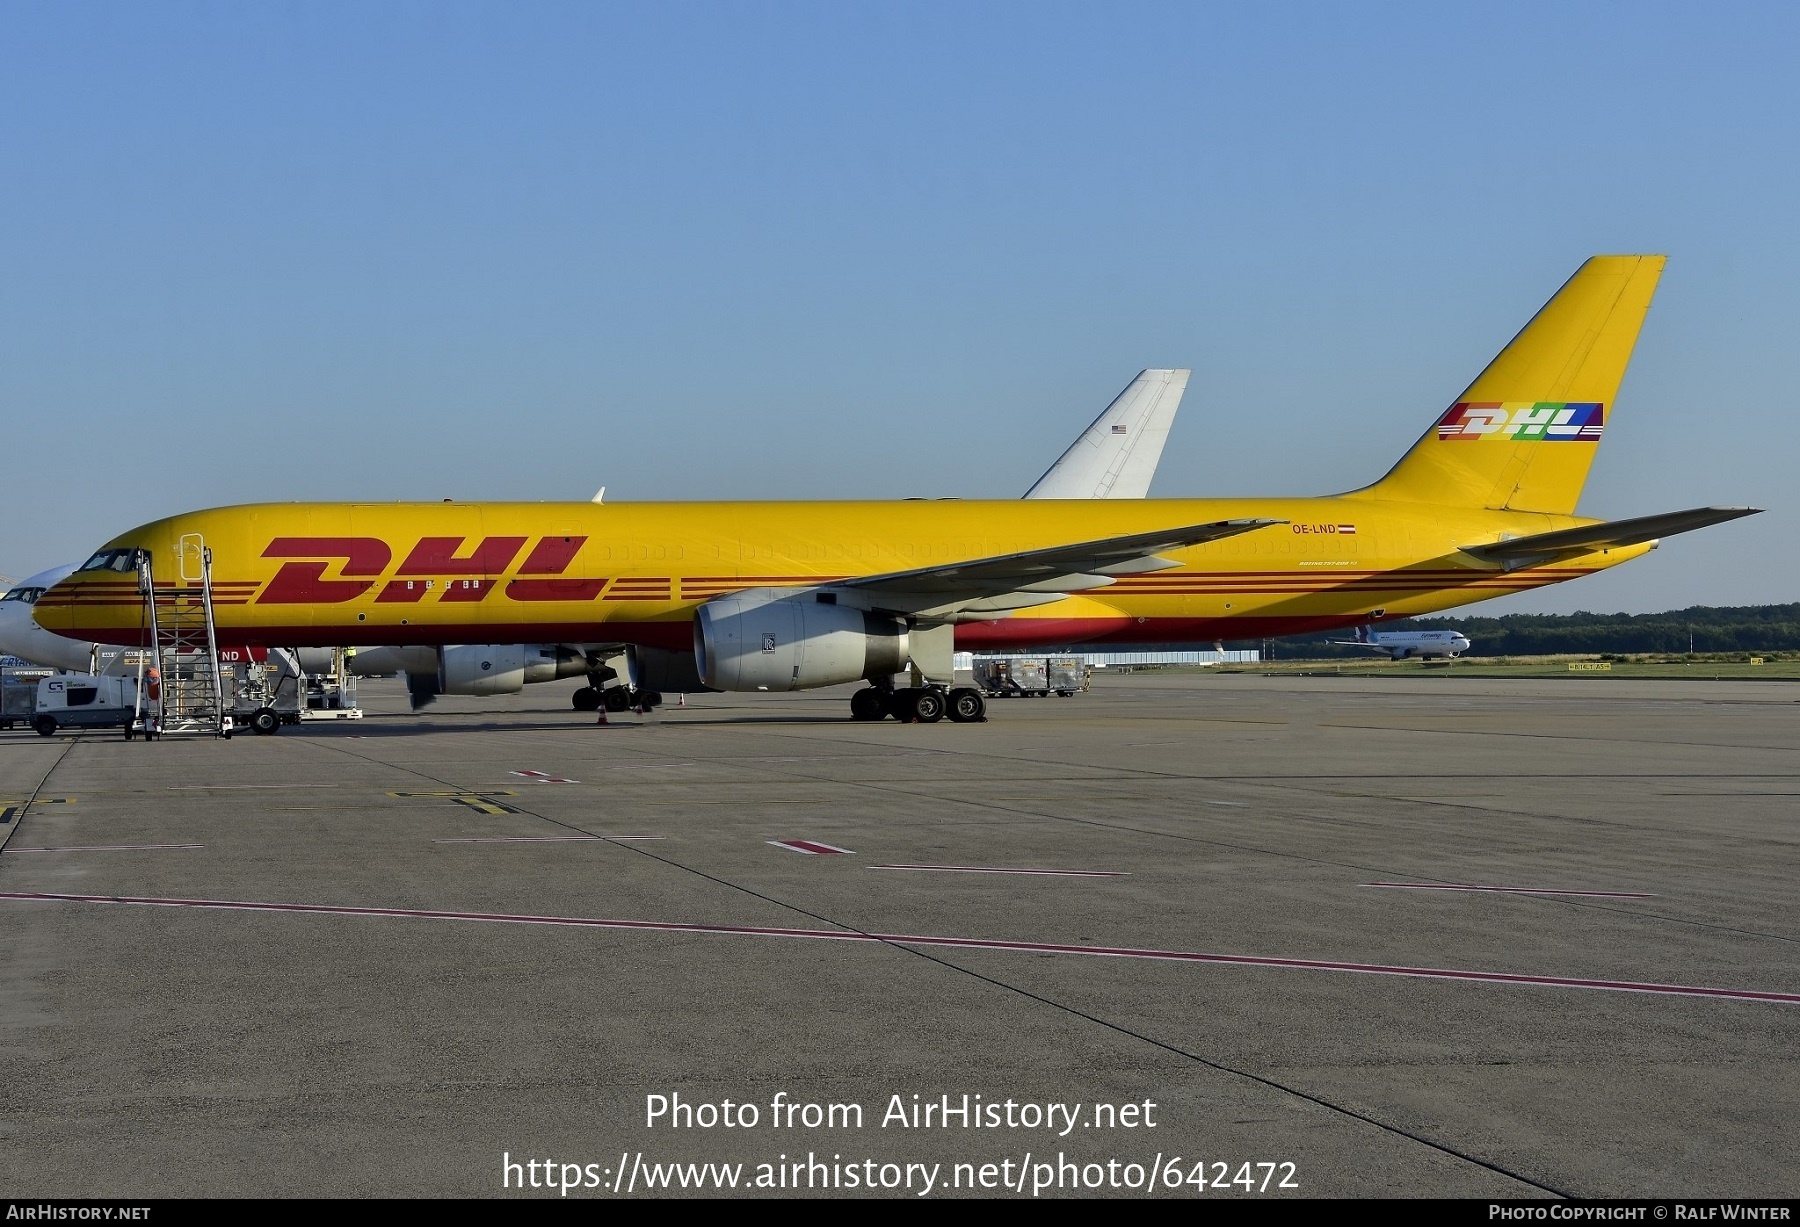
<point x="184" y="646"/>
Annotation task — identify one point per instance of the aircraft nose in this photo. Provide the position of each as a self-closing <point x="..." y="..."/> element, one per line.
<point x="56" y="607"/>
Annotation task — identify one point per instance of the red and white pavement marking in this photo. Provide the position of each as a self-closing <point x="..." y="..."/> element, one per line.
<point x="544" y="777"/>
<point x="1047" y="873"/>
<point x="107" y="848"/>
<point x="960" y="943"/>
<point x="546" y="839"/>
<point x="811" y="847"/>
<point x="1512" y="890"/>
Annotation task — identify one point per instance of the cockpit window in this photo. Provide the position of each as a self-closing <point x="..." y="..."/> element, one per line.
<point x="28" y="595"/>
<point x="111" y="560"/>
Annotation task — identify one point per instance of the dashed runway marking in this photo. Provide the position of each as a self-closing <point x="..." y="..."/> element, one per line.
<point x="1513" y="890"/>
<point x="1048" y="873"/>
<point x="541" y="777"/>
<point x="106" y="848"/>
<point x="240" y="787"/>
<point x="810" y="847"/>
<point x="547" y="839"/>
<point x="959" y="943"/>
<point x="456" y="795"/>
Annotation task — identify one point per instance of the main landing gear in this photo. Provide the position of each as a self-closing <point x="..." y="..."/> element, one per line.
<point x="604" y="689"/>
<point x="919" y="704"/>
<point x="614" y="698"/>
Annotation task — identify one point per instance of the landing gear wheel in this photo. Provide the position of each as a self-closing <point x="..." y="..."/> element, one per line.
<point x="264" y="722"/>
<point x="929" y="705"/>
<point x="967" y="706"/>
<point x="868" y="704"/>
<point x="45" y="726"/>
<point x="586" y="699"/>
<point x="616" y="698"/>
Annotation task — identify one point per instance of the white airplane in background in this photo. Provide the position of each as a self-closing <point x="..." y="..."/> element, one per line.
<point x="22" y="637"/>
<point x="1403" y="644"/>
<point x="1115" y="457"/>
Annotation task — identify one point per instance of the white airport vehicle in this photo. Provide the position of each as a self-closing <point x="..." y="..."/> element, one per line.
<point x="1115" y="457"/>
<point x="1404" y="644"/>
<point x="84" y="701"/>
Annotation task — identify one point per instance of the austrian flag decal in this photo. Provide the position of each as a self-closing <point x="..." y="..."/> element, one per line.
<point x="1544" y="421"/>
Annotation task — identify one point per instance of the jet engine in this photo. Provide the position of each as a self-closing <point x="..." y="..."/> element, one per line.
<point x="504" y="668"/>
<point x="771" y="639"/>
<point x="481" y="669"/>
<point x="655" y="670"/>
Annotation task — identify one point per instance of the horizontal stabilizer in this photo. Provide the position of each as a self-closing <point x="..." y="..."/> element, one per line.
<point x="1610" y="535"/>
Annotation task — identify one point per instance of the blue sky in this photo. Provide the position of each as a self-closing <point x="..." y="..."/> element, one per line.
<point x="692" y="250"/>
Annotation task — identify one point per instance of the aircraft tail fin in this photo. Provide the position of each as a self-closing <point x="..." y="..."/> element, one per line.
<point x="1116" y="456"/>
<point x="1523" y="435"/>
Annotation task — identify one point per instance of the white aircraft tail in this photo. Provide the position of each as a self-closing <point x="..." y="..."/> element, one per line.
<point x="1117" y="456"/>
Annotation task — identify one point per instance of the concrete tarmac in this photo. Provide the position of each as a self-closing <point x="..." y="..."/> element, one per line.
<point x="1353" y="1039"/>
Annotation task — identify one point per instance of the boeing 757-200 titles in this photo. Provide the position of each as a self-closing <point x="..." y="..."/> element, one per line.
<point x="792" y="595"/>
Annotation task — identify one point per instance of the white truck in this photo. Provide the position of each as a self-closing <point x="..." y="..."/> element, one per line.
<point x="84" y="701"/>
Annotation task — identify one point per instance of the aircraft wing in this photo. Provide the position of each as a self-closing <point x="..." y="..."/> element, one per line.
<point x="1053" y="572"/>
<point x="1116" y="456"/>
<point x="1605" y="536"/>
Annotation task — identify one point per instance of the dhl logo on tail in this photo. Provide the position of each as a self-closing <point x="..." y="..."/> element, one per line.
<point x="1520" y="421"/>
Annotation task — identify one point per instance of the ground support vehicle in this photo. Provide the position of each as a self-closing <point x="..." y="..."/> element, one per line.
<point x="1006" y="677"/>
<point x="18" y="694"/>
<point x="84" y="701"/>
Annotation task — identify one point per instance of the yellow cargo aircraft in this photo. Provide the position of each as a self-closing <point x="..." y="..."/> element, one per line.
<point x="791" y="595"/>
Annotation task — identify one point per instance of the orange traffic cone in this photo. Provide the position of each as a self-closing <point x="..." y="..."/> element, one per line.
<point x="683" y="702"/>
<point x="602" y="719"/>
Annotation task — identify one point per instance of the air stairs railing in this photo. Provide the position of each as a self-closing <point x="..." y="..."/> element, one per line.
<point x="189" y="687"/>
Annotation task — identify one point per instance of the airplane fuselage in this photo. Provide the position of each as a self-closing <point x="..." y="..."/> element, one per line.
<point x="298" y="574"/>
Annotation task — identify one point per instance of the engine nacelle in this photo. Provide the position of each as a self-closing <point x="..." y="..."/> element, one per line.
<point x="659" y="670"/>
<point x="318" y="660"/>
<point x="770" y="639"/>
<point x="546" y="662"/>
<point x="482" y="669"/>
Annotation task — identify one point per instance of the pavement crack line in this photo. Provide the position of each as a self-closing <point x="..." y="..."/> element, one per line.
<point x="19" y="819"/>
<point x="995" y="982"/>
